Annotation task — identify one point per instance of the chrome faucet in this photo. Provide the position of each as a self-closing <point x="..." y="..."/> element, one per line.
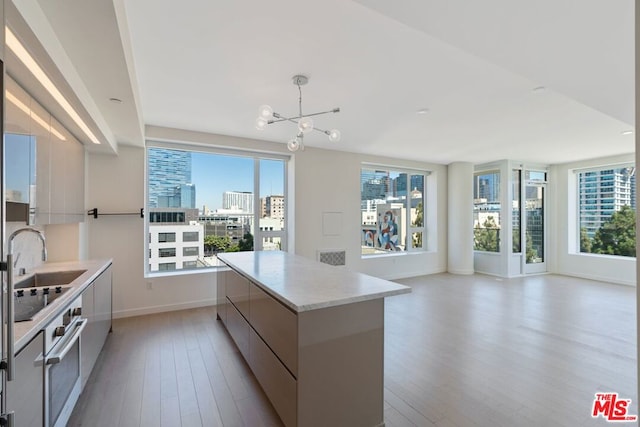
<point x="31" y="230"/>
<point x="8" y="344"/>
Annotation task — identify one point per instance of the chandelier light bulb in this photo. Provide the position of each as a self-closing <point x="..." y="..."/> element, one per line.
<point x="261" y="123"/>
<point x="334" y="135"/>
<point x="293" y="144"/>
<point x="305" y="125"/>
<point x="265" y="111"/>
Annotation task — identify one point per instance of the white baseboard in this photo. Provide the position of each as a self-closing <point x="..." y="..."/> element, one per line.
<point x="410" y="274"/>
<point x="163" y="308"/>
<point x="598" y="278"/>
<point x="462" y="272"/>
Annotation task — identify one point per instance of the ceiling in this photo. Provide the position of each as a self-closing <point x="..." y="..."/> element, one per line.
<point x="207" y="65"/>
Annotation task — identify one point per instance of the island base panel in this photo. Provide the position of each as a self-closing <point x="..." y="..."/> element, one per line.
<point x="341" y="366"/>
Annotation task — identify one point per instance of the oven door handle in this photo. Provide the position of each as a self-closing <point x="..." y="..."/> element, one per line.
<point x="57" y="356"/>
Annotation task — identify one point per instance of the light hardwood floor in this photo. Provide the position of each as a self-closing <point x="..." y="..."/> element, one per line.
<point x="459" y="351"/>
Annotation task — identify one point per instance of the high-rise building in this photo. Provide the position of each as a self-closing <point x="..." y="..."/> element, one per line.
<point x="242" y="200"/>
<point x="183" y="196"/>
<point x="272" y="207"/>
<point x="603" y="192"/>
<point x="487" y="186"/>
<point x="374" y="189"/>
<point x="375" y="185"/>
<point x="169" y="169"/>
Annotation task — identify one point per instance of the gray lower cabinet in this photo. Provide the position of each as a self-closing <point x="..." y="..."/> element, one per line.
<point x="25" y="395"/>
<point x="96" y="308"/>
<point x="319" y="367"/>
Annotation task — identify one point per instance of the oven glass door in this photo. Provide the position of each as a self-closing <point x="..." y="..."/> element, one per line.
<point x="63" y="378"/>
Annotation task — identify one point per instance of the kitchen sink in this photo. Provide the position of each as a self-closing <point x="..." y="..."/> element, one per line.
<point x="53" y="278"/>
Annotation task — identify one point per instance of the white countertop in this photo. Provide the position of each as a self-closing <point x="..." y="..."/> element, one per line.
<point x="25" y="331"/>
<point x="303" y="284"/>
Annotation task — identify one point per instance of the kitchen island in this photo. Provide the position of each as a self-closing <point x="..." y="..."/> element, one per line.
<point x="313" y="335"/>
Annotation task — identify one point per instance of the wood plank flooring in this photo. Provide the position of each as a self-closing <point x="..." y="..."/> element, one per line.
<point x="459" y="351"/>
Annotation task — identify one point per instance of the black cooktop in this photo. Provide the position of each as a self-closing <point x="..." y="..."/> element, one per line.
<point x="29" y="301"/>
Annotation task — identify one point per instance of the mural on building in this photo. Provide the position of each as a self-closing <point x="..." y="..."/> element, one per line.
<point x="388" y="228"/>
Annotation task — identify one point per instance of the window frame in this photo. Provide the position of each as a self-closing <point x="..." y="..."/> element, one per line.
<point x="258" y="235"/>
<point x="410" y="228"/>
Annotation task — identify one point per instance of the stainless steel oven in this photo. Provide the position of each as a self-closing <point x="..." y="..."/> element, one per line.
<point x="62" y="365"/>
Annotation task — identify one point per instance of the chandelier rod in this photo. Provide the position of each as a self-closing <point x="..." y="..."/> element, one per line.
<point x="282" y="118"/>
<point x="300" y="98"/>
<point x="292" y="120"/>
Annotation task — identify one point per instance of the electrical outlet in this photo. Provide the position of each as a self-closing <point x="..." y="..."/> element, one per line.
<point x="149" y="285"/>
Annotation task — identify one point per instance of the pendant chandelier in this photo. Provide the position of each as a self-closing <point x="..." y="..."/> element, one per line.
<point x="267" y="116"/>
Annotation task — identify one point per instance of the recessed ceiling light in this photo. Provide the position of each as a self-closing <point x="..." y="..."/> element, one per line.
<point x="422" y="111"/>
<point x="539" y="89"/>
<point x="626" y="132"/>
<point x="116" y="100"/>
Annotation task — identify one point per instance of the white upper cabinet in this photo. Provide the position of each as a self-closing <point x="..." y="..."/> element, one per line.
<point x="54" y="171"/>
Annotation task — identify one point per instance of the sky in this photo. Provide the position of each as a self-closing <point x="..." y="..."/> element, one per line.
<point x="214" y="174"/>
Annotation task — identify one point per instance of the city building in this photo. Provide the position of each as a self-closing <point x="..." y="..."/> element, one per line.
<point x="169" y="170"/>
<point x="242" y="200"/>
<point x="176" y="239"/>
<point x="230" y="224"/>
<point x="375" y="188"/>
<point x="180" y="196"/>
<point x="272" y="207"/>
<point x="486" y="186"/>
<point x="603" y="192"/>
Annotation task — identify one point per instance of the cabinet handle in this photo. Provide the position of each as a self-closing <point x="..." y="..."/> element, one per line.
<point x="57" y="356"/>
<point x="11" y="368"/>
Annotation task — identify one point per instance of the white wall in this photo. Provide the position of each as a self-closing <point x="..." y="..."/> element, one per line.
<point x="328" y="181"/>
<point x="323" y="181"/>
<point x="116" y="184"/>
<point x="566" y="260"/>
<point x="460" y="207"/>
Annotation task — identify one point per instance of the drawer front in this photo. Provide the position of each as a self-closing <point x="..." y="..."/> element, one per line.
<point x="277" y="325"/>
<point x="238" y="329"/>
<point x="237" y="288"/>
<point x="278" y="384"/>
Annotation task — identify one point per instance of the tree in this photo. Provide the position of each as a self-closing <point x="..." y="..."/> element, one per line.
<point x="515" y="237"/>
<point x="246" y="243"/>
<point x="585" y="241"/>
<point x="487" y="237"/>
<point x="617" y="236"/>
<point x="216" y="243"/>
<point x="531" y="253"/>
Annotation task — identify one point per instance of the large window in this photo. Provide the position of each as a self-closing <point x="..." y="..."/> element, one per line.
<point x="606" y="210"/>
<point x="486" y="211"/>
<point x="392" y="205"/>
<point x="201" y="203"/>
